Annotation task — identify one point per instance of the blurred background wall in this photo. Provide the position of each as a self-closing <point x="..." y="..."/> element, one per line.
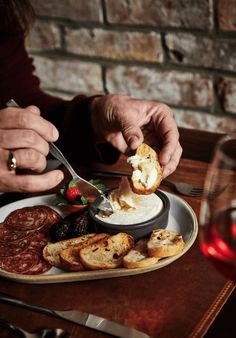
<point x="181" y="52"/>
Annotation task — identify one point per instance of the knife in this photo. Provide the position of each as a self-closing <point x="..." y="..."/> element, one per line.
<point x="82" y="318"/>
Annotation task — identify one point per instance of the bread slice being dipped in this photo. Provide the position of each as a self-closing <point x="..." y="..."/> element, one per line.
<point x="147" y="170"/>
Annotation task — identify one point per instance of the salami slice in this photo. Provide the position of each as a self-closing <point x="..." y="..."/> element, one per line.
<point x="20" y="263"/>
<point x="27" y="218"/>
<point x="14" y="248"/>
<point x="23" y="235"/>
<point x="9" y="236"/>
<point x="41" y="267"/>
<point x="38" y="241"/>
<point x="53" y="217"/>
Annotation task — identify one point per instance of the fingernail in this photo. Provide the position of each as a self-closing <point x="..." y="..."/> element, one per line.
<point x="134" y="142"/>
<point x="165" y="158"/>
<point x="59" y="177"/>
<point x="55" y="133"/>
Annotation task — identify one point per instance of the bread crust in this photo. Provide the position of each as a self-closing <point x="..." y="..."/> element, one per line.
<point x="104" y="251"/>
<point x="107" y="253"/>
<point x="164" y="243"/>
<point x="148" y="156"/>
<point x="138" y="256"/>
<point x="51" y="251"/>
<point x="69" y="257"/>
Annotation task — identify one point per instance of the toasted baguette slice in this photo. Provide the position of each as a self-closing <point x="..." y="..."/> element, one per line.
<point x="138" y="256"/>
<point x="147" y="171"/>
<point x="164" y="243"/>
<point x="69" y="258"/>
<point x="52" y="251"/>
<point x="107" y="253"/>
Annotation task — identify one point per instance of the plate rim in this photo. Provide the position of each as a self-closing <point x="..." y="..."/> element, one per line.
<point x="63" y="277"/>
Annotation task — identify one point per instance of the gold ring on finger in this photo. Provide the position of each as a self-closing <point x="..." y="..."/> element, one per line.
<point x="11" y="162"/>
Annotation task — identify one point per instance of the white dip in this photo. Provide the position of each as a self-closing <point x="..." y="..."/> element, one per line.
<point x="142" y="208"/>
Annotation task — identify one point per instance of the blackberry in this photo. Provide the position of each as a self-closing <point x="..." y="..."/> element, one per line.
<point x="79" y="226"/>
<point x="59" y="231"/>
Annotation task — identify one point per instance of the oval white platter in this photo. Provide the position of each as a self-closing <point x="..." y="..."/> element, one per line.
<point x="181" y="219"/>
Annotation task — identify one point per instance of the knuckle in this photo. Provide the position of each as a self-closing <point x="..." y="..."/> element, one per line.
<point x="33" y="109"/>
<point x="30" y="137"/>
<point x="36" y="160"/>
<point x="165" y="108"/>
<point x="22" y="119"/>
<point x="31" y="155"/>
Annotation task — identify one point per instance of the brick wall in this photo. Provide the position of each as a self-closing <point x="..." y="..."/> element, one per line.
<point x="181" y="52"/>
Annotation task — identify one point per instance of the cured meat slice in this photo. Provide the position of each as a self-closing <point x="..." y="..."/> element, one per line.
<point x="53" y="217"/>
<point x="23" y="235"/>
<point x="41" y="267"/>
<point x="27" y="218"/>
<point x="9" y="236"/>
<point x="38" y="241"/>
<point x="14" y="248"/>
<point x="20" y="263"/>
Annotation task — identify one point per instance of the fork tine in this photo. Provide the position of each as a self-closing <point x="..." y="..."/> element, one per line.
<point x="197" y="190"/>
<point x="195" y="193"/>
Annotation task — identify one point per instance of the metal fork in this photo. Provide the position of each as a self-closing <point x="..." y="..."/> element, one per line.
<point x="188" y="189"/>
<point x="183" y="188"/>
<point x="45" y="332"/>
<point x="88" y="190"/>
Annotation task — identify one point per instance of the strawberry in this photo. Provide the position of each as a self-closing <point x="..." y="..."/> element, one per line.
<point x="72" y="191"/>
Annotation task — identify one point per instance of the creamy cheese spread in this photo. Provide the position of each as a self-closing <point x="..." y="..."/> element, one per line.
<point x="131" y="208"/>
<point x="144" y="171"/>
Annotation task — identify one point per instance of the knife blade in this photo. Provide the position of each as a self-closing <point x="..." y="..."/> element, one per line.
<point x="78" y="317"/>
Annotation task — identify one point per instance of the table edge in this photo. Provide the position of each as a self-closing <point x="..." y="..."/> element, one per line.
<point x="202" y="327"/>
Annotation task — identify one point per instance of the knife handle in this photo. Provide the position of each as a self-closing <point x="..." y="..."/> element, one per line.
<point x="12" y="300"/>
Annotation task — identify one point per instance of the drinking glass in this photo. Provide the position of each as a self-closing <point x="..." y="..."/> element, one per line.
<point x="218" y="209"/>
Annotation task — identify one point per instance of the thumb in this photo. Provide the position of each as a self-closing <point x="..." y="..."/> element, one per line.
<point x="133" y="135"/>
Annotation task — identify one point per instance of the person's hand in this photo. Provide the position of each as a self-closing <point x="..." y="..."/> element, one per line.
<point x="126" y="123"/>
<point x="25" y="135"/>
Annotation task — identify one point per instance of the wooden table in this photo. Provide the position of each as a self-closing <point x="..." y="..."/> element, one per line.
<point x="179" y="300"/>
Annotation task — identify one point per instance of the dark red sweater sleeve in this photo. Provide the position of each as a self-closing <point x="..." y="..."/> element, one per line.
<point x="72" y="118"/>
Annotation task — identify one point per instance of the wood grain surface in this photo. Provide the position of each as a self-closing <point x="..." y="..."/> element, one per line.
<point x="179" y="300"/>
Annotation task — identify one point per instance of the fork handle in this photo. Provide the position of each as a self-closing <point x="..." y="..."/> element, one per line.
<point x="55" y="151"/>
<point x="168" y="183"/>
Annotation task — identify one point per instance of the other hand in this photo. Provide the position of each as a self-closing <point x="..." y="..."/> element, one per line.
<point x="126" y="123"/>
